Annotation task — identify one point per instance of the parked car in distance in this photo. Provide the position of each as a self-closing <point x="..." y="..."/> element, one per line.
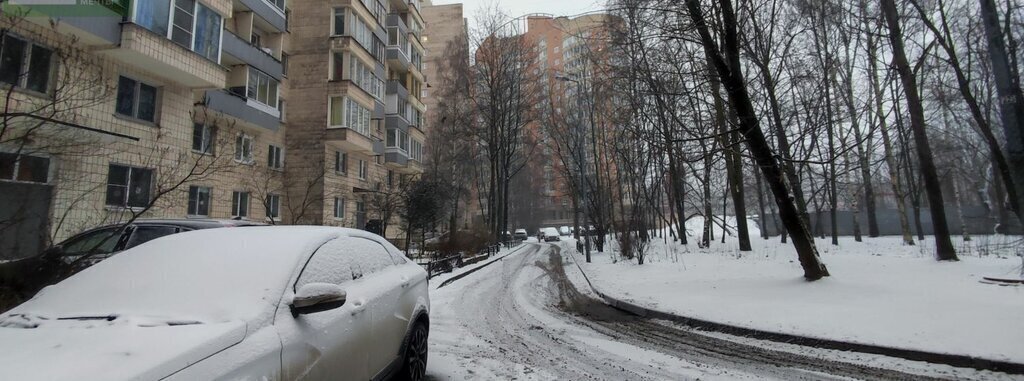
<point x="275" y="302"/>
<point x="521" y="234"/>
<point x="85" y="249"/>
<point x="564" y="231"/>
<point x="551" y="235"/>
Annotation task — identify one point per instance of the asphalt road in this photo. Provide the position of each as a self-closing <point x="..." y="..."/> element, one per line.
<point x="522" y="318"/>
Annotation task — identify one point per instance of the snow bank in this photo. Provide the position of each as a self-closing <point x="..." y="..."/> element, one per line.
<point x="880" y="292"/>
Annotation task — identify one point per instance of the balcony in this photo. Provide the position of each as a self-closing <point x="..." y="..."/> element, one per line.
<point x="395" y="87"/>
<point x="351" y="140"/>
<point x="94" y="24"/>
<point x="412" y="167"/>
<point x="143" y="49"/>
<point x="225" y="102"/>
<point x="395" y="159"/>
<point x="270" y="13"/>
<point x="237" y="50"/>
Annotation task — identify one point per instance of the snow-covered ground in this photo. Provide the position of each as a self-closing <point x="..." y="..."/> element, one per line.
<point x="880" y="291"/>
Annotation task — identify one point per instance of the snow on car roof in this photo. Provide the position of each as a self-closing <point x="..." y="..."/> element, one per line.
<point x="206" y="275"/>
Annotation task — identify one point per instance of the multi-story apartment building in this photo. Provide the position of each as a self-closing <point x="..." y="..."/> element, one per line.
<point x="565" y="54"/>
<point x="204" y="108"/>
<point x="356" y="123"/>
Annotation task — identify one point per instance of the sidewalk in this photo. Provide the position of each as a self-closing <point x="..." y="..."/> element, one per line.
<point x="437" y="281"/>
<point x="881" y="294"/>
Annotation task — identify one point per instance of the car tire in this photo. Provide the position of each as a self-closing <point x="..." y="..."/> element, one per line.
<point x="414" y="357"/>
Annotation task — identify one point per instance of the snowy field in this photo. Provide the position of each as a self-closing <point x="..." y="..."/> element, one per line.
<point x="880" y="291"/>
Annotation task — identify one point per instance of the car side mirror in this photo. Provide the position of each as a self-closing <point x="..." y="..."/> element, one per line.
<point x="317" y="297"/>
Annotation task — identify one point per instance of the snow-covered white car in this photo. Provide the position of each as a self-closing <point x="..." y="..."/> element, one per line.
<point x="261" y="303"/>
<point x="550" y="234"/>
<point x="564" y="231"/>
<point x="521" y="234"/>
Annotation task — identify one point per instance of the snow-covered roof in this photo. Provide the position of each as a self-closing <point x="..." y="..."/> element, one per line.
<point x="206" y="275"/>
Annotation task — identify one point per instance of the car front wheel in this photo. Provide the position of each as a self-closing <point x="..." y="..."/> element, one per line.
<point x="414" y="365"/>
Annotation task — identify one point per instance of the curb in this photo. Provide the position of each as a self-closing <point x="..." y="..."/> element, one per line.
<point x="960" y="361"/>
<point x="463" y="275"/>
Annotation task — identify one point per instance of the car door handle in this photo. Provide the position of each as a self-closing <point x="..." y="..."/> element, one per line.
<point x="358" y="307"/>
<point x="405" y="281"/>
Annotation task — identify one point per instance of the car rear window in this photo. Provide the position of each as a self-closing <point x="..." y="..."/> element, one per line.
<point x="143" y="234"/>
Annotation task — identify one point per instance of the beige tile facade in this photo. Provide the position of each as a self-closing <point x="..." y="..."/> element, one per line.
<point x="94" y="136"/>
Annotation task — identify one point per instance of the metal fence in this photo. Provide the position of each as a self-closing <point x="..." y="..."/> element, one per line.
<point x="449" y="263"/>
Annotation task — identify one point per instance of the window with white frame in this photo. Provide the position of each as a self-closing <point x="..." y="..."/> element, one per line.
<point x="362" y="75"/>
<point x="273" y="206"/>
<point x="262" y="88"/>
<point x="203" y="138"/>
<point x="347" y="113"/>
<point x="416" y="150"/>
<point x="240" y="204"/>
<point x="26" y="168"/>
<point x="338" y="28"/>
<point x="243" y="148"/>
<point x="186" y="22"/>
<point x="339" y="207"/>
<point x="275" y="157"/>
<point x="398" y="139"/>
<point x="279" y="4"/>
<point x="136" y="99"/>
<point x="128" y="187"/>
<point x="199" y="200"/>
<point x="25" y="64"/>
<point x="363" y="169"/>
<point x="341" y="162"/>
<point x="361" y="32"/>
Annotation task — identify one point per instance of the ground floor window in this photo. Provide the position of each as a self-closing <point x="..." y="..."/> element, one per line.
<point x="240" y="204"/>
<point x="360" y="214"/>
<point x="24" y="168"/>
<point x="339" y="207"/>
<point x="273" y="206"/>
<point x="129" y="187"/>
<point x="199" y="201"/>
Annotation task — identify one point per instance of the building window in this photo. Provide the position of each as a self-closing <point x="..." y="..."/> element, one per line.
<point x="240" y="204"/>
<point x="275" y="157"/>
<point x="128" y="187"/>
<point x="361" y="32"/>
<point x="378" y="49"/>
<point x="243" y="148"/>
<point x="136" y="99"/>
<point x="339" y="207"/>
<point x="24" y="168"/>
<point x="363" y="169"/>
<point x="362" y="75"/>
<point x="397" y="138"/>
<point x="391" y="179"/>
<point x="279" y="4"/>
<point x="26" y="65"/>
<point x="208" y="30"/>
<point x="360" y="214"/>
<point x="186" y="22"/>
<point x="341" y="162"/>
<point x="203" y="137"/>
<point x="256" y="39"/>
<point x="347" y="113"/>
<point x="181" y="32"/>
<point x="262" y="88"/>
<point x="339" y="22"/>
<point x="199" y="201"/>
<point x="273" y="206"/>
<point x="337" y="63"/>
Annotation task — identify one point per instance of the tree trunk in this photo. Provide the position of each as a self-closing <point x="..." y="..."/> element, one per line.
<point x="1011" y="104"/>
<point x="943" y="245"/>
<point x="728" y="69"/>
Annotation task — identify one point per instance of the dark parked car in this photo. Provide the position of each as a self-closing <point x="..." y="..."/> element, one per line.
<point x="27" y="276"/>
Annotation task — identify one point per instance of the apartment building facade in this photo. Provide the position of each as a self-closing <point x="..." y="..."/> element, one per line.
<point x="565" y="47"/>
<point x="357" y="126"/>
<point x="201" y="109"/>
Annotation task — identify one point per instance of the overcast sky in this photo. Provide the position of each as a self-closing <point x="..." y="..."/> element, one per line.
<point x="516" y="8"/>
